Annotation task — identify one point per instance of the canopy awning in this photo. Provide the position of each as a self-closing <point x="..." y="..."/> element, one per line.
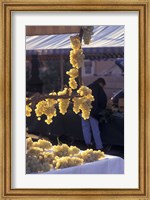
<point x="106" y="41"/>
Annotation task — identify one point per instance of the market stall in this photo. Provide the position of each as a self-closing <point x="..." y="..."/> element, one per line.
<point x="107" y="42"/>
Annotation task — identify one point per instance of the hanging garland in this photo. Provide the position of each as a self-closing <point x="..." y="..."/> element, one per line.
<point x="81" y="99"/>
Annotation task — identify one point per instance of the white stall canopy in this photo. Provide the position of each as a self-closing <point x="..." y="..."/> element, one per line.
<point x="106" y="40"/>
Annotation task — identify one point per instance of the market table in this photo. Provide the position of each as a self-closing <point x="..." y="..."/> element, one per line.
<point x="107" y="165"/>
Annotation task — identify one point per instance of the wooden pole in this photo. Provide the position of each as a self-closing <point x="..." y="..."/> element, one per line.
<point x="61" y="72"/>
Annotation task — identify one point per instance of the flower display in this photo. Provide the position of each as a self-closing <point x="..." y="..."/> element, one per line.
<point x="46" y="107"/>
<point x="58" y="157"/>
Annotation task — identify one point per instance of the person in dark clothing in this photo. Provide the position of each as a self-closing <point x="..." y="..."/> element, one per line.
<point x="100" y="97"/>
<point x="91" y="126"/>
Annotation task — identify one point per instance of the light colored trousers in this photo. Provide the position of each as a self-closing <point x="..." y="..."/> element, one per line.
<point x="91" y="127"/>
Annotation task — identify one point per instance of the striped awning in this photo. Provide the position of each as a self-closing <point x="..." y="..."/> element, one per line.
<point x="106" y="41"/>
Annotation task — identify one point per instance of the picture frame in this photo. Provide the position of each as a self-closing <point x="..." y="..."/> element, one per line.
<point x="6" y="8"/>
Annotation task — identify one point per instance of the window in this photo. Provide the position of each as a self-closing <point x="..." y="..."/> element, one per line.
<point x="88" y="68"/>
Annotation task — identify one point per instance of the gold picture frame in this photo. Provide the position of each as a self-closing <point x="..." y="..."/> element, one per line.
<point x="6" y="7"/>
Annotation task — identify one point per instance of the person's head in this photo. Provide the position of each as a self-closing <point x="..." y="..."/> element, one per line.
<point x="101" y="82"/>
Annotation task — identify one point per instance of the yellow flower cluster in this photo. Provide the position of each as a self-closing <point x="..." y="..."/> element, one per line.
<point x="38" y="160"/>
<point x="29" y="142"/>
<point x="83" y="103"/>
<point x="85" y="107"/>
<point x="73" y="73"/>
<point x="67" y="161"/>
<point x="63" y="105"/>
<point x="76" y="58"/>
<point x="76" y="104"/>
<point x="72" y="83"/>
<point x="53" y="93"/>
<point x="48" y="157"/>
<point x="89" y="155"/>
<point x="73" y="150"/>
<point x="75" y="42"/>
<point x="35" y="151"/>
<point x="87" y="33"/>
<point x="46" y="107"/>
<point x="28" y="110"/>
<point x="84" y="91"/>
<point x="44" y="144"/>
<point x="33" y="164"/>
<point x="65" y="150"/>
<point x="65" y="91"/>
<point x="40" y="145"/>
<point x="61" y="150"/>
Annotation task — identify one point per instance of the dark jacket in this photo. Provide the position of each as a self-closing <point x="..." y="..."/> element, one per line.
<point x="100" y="101"/>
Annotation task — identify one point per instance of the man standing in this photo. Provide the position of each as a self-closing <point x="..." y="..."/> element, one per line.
<point x="91" y="126"/>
